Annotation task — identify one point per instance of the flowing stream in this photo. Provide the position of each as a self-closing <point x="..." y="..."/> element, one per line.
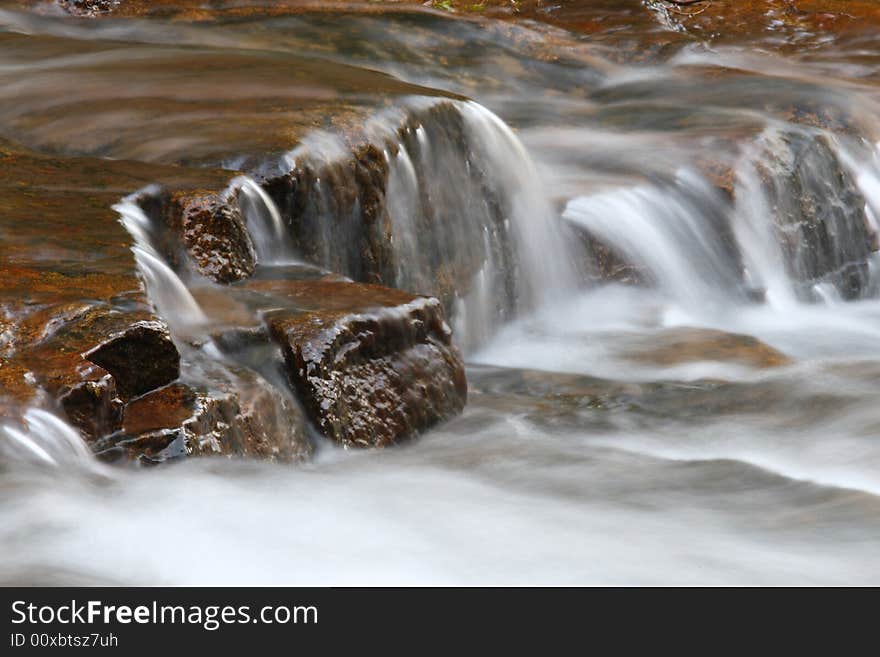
<point x="673" y="372"/>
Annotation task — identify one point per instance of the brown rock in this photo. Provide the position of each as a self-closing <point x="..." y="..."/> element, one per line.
<point x="93" y="406"/>
<point x="373" y="366"/>
<point x="180" y="420"/>
<point x="141" y="358"/>
<point x="166" y="407"/>
<point x="213" y="232"/>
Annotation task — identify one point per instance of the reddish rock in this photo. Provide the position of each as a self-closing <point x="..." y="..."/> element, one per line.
<point x="374" y="366"/>
<point x="179" y="420"/>
<point x="212" y="231"/>
<point x="167" y="407"/>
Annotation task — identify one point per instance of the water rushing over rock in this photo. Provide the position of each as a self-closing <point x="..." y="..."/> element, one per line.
<point x="675" y="234"/>
<point x="440" y="197"/>
<point x="658" y="255"/>
<point x="264" y="222"/>
<point x="44" y="440"/>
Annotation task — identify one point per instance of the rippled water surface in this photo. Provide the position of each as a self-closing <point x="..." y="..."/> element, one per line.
<point x="717" y="423"/>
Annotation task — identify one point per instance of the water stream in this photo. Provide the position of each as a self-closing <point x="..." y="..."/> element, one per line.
<point x="714" y="423"/>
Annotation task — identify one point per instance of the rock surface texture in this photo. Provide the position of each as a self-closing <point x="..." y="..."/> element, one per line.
<point x="78" y="334"/>
<point x="372" y="369"/>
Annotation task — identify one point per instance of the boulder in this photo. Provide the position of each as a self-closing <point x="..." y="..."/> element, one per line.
<point x="372" y="366"/>
<point x="140" y="358"/>
<point x="213" y="233"/>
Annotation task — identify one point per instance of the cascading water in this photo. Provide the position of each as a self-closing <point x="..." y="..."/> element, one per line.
<point x="264" y="222"/>
<point x="164" y="286"/>
<point x="463" y="206"/>
<point x="709" y="419"/>
<point x="674" y="232"/>
<point x="544" y="258"/>
<point x="47" y="441"/>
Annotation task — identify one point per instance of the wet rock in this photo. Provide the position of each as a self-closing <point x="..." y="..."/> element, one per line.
<point x="337" y="213"/>
<point x="141" y="358"/>
<point x="179" y="420"/>
<point x="93" y="406"/>
<point x="604" y="262"/>
<point x="166" y="407"/>
<point x="783" y="23"/>
<point x="214" y="234"/>
<point x="412" y="208"/>
<point x="819" y="213"/>
<point x="52" y="370"/>
<point x="373" y="366"/>
<point x="70" y="286"/>
<point x="90" y="7"/>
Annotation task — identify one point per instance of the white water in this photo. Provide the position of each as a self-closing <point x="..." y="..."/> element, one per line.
<point x="441" y="210"/>
<point x="165" y="288"/>
<point x="667" y="231"/>
<point x="44" y="440"/>
<point x="264" y="223"/>
<point x="507" y="501"/>
<point x="727" y="474"/>
<point x="546" y="261"/>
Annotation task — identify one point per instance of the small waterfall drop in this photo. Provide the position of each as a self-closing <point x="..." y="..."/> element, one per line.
<point x="804" y="215"/>
<point x="799" y="225"/>
<point x="673" y="232"/>
<point x="764" y="261"/>
<point x="442" y="199"/>
<point x="546" y="264"/>
<point x="44" y="440"/>
<point x="173" y="300"/>
<point x="264" y="222"/>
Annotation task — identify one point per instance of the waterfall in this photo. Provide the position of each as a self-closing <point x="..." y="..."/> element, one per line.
<point x="44" y="440"/>
<point x="800" y="225"/>
<point x="806" y="198"/>
<point x="173" y="300"/>
<point x="264" y="222"/>
<point x="547" y="267"/>
<point x="764" y="265"/>
<point x="454" y="208"/>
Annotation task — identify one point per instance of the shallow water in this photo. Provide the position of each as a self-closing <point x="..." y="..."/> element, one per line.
<point x="589" y="453"/>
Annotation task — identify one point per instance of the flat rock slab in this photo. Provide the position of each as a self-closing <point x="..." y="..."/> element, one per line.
<point x="191" y="104"/>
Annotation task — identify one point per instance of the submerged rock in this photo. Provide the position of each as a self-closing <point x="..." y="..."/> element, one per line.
<point x="373" y="366"/>
<point x="686" y="345"/>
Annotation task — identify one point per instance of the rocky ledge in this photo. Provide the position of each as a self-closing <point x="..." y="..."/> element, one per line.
<point x="365" y="365"/>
